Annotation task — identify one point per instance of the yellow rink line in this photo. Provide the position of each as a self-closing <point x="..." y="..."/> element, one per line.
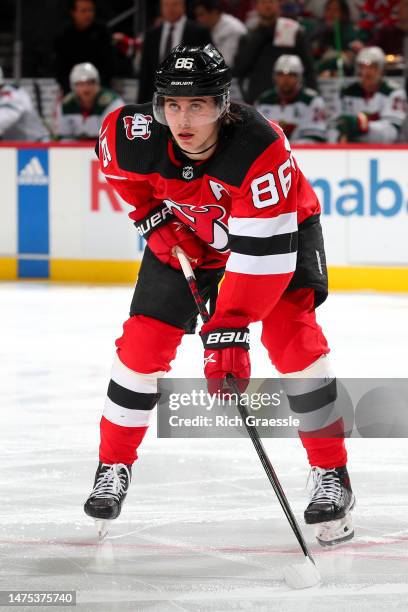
<point x="8" y="268"/>
<point x="94" y="271"/>
<point x="108" y="271"/>
<point x="368" y="278"/>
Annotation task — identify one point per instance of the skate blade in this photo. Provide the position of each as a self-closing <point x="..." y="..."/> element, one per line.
<point x="102" y="529"/>
<point x="337" y="532"/>
<point x="302" y="575"/>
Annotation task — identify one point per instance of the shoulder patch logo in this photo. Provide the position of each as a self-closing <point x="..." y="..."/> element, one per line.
<point x="137" y="126"/>
<point x="106" y="98"/>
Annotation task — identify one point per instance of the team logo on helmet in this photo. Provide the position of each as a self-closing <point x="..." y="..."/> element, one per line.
<point x="137" y="126"/>
<point x="188" y="173"/>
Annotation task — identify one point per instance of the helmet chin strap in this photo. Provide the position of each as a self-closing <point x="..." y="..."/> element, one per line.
<point x="198" y="152"/>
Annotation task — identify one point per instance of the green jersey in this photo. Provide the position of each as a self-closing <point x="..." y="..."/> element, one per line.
<point x="74" y="122"/>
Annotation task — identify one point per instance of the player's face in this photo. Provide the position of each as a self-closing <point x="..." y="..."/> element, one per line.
<point x="268" y="9"/>
<point x="287" y="84"/>
<point x="370" y="76"/>
<point x="332" y="12"/>
<point x="206" y="18"/>
<point x="172" y="10"/>
<point x="83" y="14"/>
<point x="402" y="15"/>
<point x="192" y="121"/>
<point x="86" y="92"/>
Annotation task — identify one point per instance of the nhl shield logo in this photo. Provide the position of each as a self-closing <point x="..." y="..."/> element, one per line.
<point x="137" y="126"/>
<point x="188" y="173"/>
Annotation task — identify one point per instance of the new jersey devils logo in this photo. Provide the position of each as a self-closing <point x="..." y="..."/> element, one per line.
<point x="137" y="126"/>
<point x="205" y="220"/>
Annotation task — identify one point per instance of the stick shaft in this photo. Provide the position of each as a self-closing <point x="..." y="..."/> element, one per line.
<point x="270" y="471"/>
<point x="252" y="431"/>
<point x="192" y="283"/>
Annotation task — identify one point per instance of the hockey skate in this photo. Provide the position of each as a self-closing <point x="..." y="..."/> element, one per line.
<point x="110" y="489"/>
<point x="330" y="506"/>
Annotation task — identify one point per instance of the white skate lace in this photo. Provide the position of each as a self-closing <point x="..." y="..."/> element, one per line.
<point x="326" y="486"/>
<point x="112" y="482"/>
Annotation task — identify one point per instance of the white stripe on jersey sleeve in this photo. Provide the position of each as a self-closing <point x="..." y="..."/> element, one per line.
<point x="117" y="178"/>
<point x="265" y="264"/>
<point x="124" y="416"/>
<point x="257" y="227"/>
<point x="134" y="381"/>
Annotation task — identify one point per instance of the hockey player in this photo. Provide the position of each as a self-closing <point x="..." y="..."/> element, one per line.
<point x="83" y="110"/>
<point x="300" y="111"/>
<point x="220" y="181"/>
<point x="372" y="109"/>
<point x="18" y="118"/>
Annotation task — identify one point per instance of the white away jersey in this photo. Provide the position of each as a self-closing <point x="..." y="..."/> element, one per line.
<point x="18" y="118"/>
<point x="302" y="120"/>
<point x="74" y="122"/>
<point x="386" y="110"/>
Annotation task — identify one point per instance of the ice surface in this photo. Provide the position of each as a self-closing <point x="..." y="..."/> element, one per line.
<point x="201" y="529"/>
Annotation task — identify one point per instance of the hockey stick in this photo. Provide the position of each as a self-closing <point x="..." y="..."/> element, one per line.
<point x="300" y="575"/>
<point x="44" y="121"/>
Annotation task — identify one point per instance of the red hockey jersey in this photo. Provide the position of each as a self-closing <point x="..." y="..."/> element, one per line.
<point x="246" y="201"/>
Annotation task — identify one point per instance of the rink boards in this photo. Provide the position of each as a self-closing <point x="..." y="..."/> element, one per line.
<point x="60" y="219"/>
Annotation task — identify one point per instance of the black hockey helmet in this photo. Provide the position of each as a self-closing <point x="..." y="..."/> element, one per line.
<point x="192" y="71"/>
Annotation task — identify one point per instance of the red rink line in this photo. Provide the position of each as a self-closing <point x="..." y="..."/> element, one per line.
<point x="347" y="549"/>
